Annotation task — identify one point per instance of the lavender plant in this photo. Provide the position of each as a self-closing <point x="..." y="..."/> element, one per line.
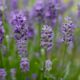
<point x="27" y="29"/>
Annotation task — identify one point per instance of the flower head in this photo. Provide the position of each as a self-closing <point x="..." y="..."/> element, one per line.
<point x="38" y="11"/>
<point x="22" y="47"/>
<point x="24" y="64"/>
<point x="48" y="65"/>
<point x="1" y="29"/>
<point x="67" y="30"/>
<point x="1" y="34"/>
<point x="14" y="4"/>
<point x="2" y="73"/>
<point x="18" y="18"/>
<point x="18" y="21"/>
<point x="47" y="37"/>
<point x="50" y="13"/>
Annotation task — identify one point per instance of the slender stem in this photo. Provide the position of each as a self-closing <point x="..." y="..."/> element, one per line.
<point x="1" y="59"/>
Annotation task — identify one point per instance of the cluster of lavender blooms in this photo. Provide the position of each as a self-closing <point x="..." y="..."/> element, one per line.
<point x="20" y="29"/>
<point x="2" y="74"/>
<point x="13" y="4"/>
<point x="47" y="37"/>
<point x="18" y="21"/>
<point x="1" y="28"/>
<point x="47" y="43"/>
<point x="44" y="12"/>
<point x="67" y="30"/>
<point x="47" y="11"/>
<point x="24" y="64"/>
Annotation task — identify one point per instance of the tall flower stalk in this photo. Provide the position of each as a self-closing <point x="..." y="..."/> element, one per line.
<point x="1" y="36"/>
<point x="68" y="38"/>
<point x="67" y="31"/>
<point x="47" y="44"/>
<point x="20" y="31"/>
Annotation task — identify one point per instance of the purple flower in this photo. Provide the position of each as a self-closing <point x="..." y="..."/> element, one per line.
<point x="38" y="11"/>
<point x="14" y="4"/>
<point x="63" y="7"/>
<point x="1" y="31"/>
<point x="67" y="30"/>
<point x="47" y="37"/>
<point x="49" y="20"/>
<point x="1" y="34"/>
<point x="22" y="47"/>
<point x="18" y="21"/>
<point x="18" y="18"/>
<point x="31" y="31"/>
<point x="48" y="65"/>
<point x="50" y="13"/>
<point x="24" y="64"/>
<point x="2" y="74"/>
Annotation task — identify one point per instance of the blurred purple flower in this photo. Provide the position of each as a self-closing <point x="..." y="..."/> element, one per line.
<point x="34" y="76"/>
<point x="48" y="65"/>
<point x="31" y="32"/>
<point x="38" y="11"/>
<point x="50" y="15"/>
<point x="63" y="7"/>
<point x="22" y="47"/>
<point x="24" y="64"/>
<point x="17" y="18"/>
<point x="67" y="30"/>
<point x="13" y="4"/>
<point x="47" y="37"/>
<point x="2" y="74"/>
<point x="1" y="31"/>
<point x="18" y="22"/>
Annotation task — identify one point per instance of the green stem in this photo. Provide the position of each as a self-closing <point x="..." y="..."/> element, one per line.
<point x="1" y="59"/>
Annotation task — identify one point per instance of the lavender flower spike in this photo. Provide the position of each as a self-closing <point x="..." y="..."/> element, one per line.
<point x="1" y="34"/>
<point x="47" y="37"/>
<point x="1" y="29"/>
<point x="48" y="65"/>
<point x="18" y="21"/>
<point x="38" y="11"/>
<point x="20" y="30"/>
<point x="67" y="30"/>
<point x="22" y="47"/>
<point x="24" y="64"/>
<point x="13" y="4"/>
<point x="2" y="74"/>
<point x="50" y="13"/>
